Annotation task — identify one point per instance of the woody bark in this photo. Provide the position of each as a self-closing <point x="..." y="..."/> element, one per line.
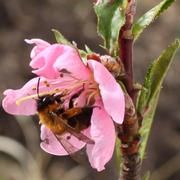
<point x="128" y="132"/>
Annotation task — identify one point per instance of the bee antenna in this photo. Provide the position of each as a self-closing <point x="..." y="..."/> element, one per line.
<point x="38" y="83"/>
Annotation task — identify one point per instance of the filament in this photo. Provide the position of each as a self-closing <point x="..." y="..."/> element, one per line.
<point x="64" y="91"/>
<point x="36" y="96"/>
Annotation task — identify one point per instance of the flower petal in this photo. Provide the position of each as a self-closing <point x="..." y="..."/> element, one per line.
<point x="111" y="92"/>
<point x="43" y="63"/>
<point x="52" y="145"/>
<point x="29" y="106"/>
<point x="40" y="46"/>
<point x="25" y="108"/>
<point x="103" y="133"/>
<point x="71" y="61"/>
<point x="48" y="60"/>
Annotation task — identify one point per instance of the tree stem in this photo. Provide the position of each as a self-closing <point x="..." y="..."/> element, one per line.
<point x="128" y="132"/>
<point x="126" y="47"/>
<point x="131" y="167"/>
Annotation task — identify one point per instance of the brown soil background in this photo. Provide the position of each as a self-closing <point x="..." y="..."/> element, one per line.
<point x="20" y="19"/>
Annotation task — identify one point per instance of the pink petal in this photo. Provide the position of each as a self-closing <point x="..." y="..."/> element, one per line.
<point x="40" y="46"/>
<point x="49" y="62"/>
<point x="103" y="133"/>
<point x="71" y="61"/>
<point x="51" y="145"/>
<point x="11" y="96"/>
<point x="43" y="63"/>
<point x="111" y="92"/>
<point x="28" y="106"/>
<point x="81" y="100"/>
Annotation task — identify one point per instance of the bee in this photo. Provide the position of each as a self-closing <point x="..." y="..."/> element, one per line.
<point x="59" y="120"/>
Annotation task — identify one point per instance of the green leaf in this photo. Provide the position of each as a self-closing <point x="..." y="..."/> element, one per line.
<point x="111" y="17"/>
<point x="146" y="176"/>
<point x="83" y="55"/>
<point x="147" y="123"/>
<point x="149" y="95"/>
<point x="156" y="74"/>
<point x="149" y="17"/>
<point x="60" y="38"/>
<point x="88" y="50"/>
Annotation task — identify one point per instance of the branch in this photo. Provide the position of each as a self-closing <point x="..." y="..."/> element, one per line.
<point x="128" y="132"/>
<point x="126" y="47"/>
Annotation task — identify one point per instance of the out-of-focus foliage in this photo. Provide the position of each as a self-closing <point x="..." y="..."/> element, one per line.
<point x="149" y="95"/>
<point x="111" y="17"/>
<point x="149" y="17"/>
<point x="155" y="76"/>
<point x="22" y="19"/>
<point x="60" y="38"/>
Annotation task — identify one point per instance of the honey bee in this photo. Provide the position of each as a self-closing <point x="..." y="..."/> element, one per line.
<point x="59" y="120"/>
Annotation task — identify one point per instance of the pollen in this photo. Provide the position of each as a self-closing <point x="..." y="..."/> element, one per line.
<point x="46" y="83"/>
<point x="34" y="88"/>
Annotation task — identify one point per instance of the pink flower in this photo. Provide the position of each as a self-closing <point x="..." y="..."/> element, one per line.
<point x="62" y="70"/>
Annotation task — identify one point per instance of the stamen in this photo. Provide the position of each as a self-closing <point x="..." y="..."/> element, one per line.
<point x="66" y="90"/>
<point x="92" y="95"/>
<point x="46" y="83"/>
<point x="33" y="88"/>
<point x="36" y="96"/>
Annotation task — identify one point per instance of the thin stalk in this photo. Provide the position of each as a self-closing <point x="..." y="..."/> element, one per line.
<point x="126" y="47"/>
<point x="128" y="132"/>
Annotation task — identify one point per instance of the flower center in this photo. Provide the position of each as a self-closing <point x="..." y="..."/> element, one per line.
<point x="73" y="91"/>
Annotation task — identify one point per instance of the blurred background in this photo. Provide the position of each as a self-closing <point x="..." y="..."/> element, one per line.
<point x="20" y="155"/>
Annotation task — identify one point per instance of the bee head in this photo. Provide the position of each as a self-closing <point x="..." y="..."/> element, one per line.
<point x="44" y="101"/>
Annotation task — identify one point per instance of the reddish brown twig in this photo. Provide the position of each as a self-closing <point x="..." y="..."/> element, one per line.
<point x="126" y="47"/>
<point x="128" y="132"/>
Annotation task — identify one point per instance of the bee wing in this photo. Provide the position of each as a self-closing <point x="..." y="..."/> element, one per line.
<point x="68" y="147"/>
<point x="77" y="154"/>
<point x="78" y="135"/>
